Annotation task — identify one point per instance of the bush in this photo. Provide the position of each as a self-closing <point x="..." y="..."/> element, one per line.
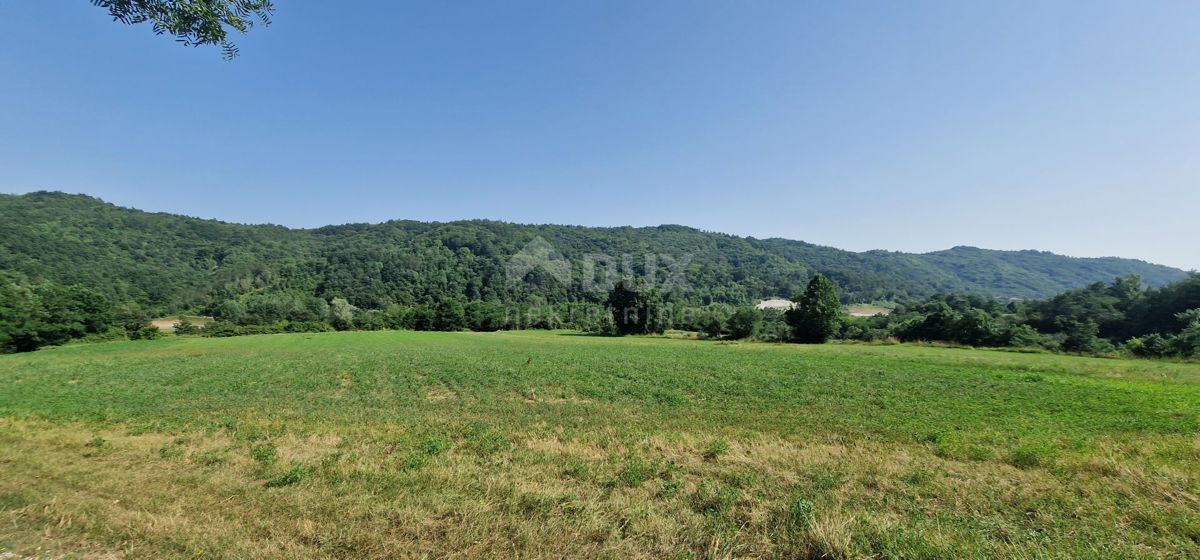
<point x="773" y="327"/>
<point x="307" y="326"/>
<point x="712" y="326"/>
<point x="185" y="327"/>
<point x="110" y="335"/>
<point x="1023" y="336"/>
<point x="1081" y="337"/>
<point x="148" y="332"/>
<point x="600" y="324"/>
<point x="1149" y="346"/>
<point x="341" y="314"/>
<point x="743" y="323"/>
<point x="370" y="320"/>
<point x="221" y="329"/>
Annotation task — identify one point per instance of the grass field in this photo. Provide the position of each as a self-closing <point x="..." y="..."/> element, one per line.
<point x="550" y="445"/>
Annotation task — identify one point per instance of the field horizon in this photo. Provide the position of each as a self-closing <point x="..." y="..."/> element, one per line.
<point x="551" y="444"/>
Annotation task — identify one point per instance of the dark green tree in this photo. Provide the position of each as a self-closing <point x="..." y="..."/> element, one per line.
<point x="743" y="323"/>
<point x="975" y="328"/>
<point x="485" y="316"/>
<point x="712" y="325"/>
<point x="422" y="318"/>
<point x="1187" y="342"/>
<point x="449" y="315"/>
<point x="636" y="308"/>
<point x="1081" y="337"/>
<point x="815" y="317"/>
<point x="194" y="22"/>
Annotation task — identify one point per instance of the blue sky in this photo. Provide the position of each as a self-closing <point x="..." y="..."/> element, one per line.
<point x="1072" y="127"/>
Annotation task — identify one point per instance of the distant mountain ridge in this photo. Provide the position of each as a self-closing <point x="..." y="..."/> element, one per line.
<point x="173" y="262"/>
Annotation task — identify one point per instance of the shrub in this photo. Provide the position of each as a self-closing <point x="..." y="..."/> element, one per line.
<point x="1149" y="346"/>
<point x="1023" y="336"/>
<point x="307" y="326"/>
<point x="341" y="314"/>
<point x="449" y="315"/>
<point x="485" y="316"/>
<point x="185" y="327"/>
<point x="110" y="335"/>
<point x="743" y="323"/>
<point x="221" y="329"/>
<point x="712" y="326"/>
<point x="148" y="332"/>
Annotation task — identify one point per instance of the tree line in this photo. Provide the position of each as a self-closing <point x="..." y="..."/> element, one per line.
<point x="1121" y="317"/>
<point x="172" y="264"/>
<point x="62" y="257"/>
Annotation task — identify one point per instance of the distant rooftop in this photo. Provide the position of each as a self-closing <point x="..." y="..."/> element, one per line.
<point x="775" y="303"/>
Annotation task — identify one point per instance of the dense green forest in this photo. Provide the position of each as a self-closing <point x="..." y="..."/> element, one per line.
<point x="72" y="267"/>
<point x="169" y="264"/>
<point x="1099" y="319"/>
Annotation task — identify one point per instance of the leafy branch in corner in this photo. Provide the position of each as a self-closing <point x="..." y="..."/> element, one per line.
<point x="194" y="22"/>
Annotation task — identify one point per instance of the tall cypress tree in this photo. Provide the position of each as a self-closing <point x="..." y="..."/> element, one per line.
<point x="817" y="313"/>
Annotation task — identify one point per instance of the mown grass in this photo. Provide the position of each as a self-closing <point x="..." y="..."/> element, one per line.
<point x="403" y="444"/>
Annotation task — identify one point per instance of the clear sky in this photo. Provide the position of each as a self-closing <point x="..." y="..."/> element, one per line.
<point x="1072" y="127"/>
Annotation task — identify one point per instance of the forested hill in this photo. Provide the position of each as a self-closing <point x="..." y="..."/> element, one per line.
<point x="172" y="263"/>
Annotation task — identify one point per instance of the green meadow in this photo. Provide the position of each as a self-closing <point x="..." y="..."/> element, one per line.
<point x="554" y="444"/>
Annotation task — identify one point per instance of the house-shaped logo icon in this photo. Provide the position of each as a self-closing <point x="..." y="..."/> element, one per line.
<point x="535" y="255"/>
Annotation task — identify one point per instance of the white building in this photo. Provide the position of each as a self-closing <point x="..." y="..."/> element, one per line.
<point x="775" y="303"/>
